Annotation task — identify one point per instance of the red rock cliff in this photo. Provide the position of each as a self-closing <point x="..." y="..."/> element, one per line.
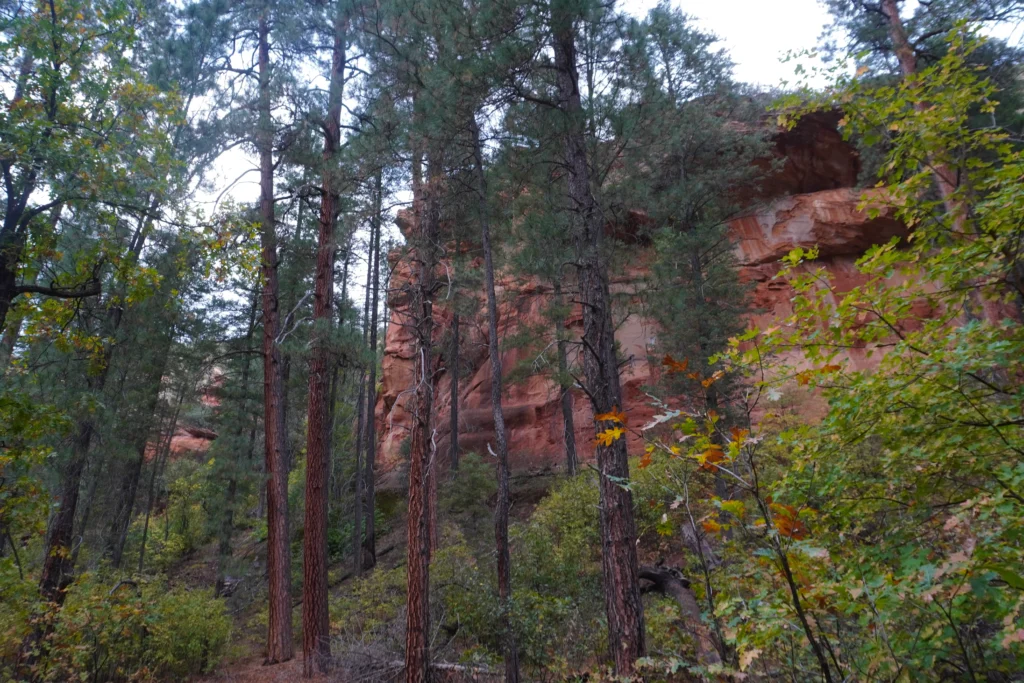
<point x="814" y="205"/>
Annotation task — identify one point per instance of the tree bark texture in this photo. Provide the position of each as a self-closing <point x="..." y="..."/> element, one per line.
<point x="279" y="628"/>
<point x="453" y="370"/>
<point x="509" y="646"/>
<point x="316" y="643"/>
<point x="618" y="528"/>
<point x="417" y="632"/>
<point x="370" y="537"/>
<point x="565" y="395"/>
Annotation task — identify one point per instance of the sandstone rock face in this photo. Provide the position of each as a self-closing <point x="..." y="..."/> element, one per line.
<point x="191" y="441"/>
<point x="829" y="220"/>
<point x="817" y="208"/>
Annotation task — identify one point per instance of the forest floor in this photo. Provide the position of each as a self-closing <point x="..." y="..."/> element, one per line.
<point x="244" y="663"/>
<point x="252" y="670"/>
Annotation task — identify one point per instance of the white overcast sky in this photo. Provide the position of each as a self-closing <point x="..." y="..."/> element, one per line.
<point x="756" y="33"/>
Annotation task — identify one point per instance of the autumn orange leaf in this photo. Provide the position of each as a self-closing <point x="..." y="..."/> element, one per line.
<point x="711" y="526"/>
<point x="613" y="415"/>
<point x="709" y="457"/>
<point x="675" y="366"/>
<point x="787" y="522"/>
<point x="609" y="436"/>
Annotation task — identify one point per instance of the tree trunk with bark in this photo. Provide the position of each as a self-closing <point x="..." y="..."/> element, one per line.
<point x="565" y="394"/>
<point x="618" y="527"/>
<point x="417" y="632"/>
<point x="316" y="644"/>
<point x="509" y="646"/>
<point x="945" y="178"/>
<point x="370" y="538"/>
<point x="279" y="628"/>
<point x="453" y="371"/>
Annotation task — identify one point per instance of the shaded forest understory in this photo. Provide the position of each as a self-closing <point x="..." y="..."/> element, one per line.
<point x="545" y="351"/>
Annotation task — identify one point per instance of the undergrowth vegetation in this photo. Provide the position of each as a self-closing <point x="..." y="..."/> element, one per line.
<point x="131" y="631"/>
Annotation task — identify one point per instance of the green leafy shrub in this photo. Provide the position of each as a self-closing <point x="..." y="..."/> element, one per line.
<point x="126" y="632"/>
<point x="470" y="488"/>
<point x="189" y="633"/>
<point x="464" y="500"/>
<point x="556" y="579"/>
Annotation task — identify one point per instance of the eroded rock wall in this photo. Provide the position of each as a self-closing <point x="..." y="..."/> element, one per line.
<point x="813" y="205"/>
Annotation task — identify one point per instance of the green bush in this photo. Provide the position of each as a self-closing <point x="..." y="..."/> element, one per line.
<point x="470" y="488"/>
<point x="190" y="631"/>
<point x="183" y="526"/>
<point x="125" y="632"/>
<point x="556" y="580"/>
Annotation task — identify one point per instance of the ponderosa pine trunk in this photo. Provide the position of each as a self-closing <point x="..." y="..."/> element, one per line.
<point x="600" y="366"/>
<point x="370" y="538"/>
<point x="363" y="410"/>
<point x="417" y="631"/>
<point x="565" y="393"/>
<point x="279" y="581"/>
<point x="453" y="371"/>
<point x="316" y="644"/>
<point x="364" y="406"/>
<point x="510" y="649"/>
